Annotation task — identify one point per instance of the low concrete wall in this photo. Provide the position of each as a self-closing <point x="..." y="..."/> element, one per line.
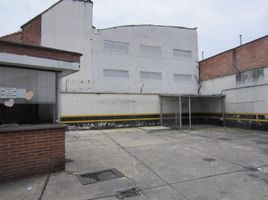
<point x="107" y="110"/>
<point x="27" y="151"/>
<point x="246" y="99"/>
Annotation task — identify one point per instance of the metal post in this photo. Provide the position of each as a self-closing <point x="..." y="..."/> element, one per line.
<point x="176" y="113"/>
<point x="180" y="112"/>
<point x="190" y="114"/>
<point x="161" y="111"/>
<point x="57" y="105"/>
<point x="223" y="110"/>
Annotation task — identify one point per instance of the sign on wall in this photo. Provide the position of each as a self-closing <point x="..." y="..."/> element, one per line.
<point x="12" y="93"/>
<point x="8" y="93"/>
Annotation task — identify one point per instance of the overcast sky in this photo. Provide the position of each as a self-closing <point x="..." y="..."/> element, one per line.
<point x="219" y="22"/>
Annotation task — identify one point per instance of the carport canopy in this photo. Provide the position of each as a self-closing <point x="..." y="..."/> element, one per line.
<point x="188" y="97"/>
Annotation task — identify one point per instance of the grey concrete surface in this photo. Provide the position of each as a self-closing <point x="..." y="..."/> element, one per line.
<point x="207" y="163"/>
<point x="26" y="189"/>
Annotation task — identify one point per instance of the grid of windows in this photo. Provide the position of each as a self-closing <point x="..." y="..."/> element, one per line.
<point x="182" y="77"/>
<point x="116" y="46"/>
<point x="182" y="53"/>
<point x="116" y="73"/>
<point x="148" y="50"/>
<point x="150" y="75"/>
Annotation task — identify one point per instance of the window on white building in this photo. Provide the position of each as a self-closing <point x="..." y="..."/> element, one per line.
<point x="116" y="46"/>
<point x="116" y="73"/>
<point x="150" y="75"/>
<point x="148" y="50"/>
<point x="182" y="53"/>
<point x="182" y="77"/>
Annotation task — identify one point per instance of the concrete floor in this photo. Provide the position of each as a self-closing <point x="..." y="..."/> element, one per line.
<point x="208" y="163"/>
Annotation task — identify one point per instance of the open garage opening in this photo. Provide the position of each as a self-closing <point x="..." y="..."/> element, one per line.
<point x="183" y="111"/>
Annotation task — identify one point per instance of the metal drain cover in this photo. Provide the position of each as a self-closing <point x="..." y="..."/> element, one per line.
<point x="127" y="194"/>
<point x="104" y="175"/>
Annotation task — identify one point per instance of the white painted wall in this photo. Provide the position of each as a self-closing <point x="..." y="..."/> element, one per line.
<point x="238" y="98"/>
<point x="68" y="26"/>
<point x="87" y="104"/>
<point x="168" y="38"/>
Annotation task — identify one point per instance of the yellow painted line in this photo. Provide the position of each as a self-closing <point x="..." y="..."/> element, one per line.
<point x="109" y="115"/>
<point x="253" y="120"/>
<point x="111" y="120"/>
<point x="245" y="113"/>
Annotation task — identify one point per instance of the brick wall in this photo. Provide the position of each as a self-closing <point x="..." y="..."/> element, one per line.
<point x="31" y="31"/>
<point x="253" y="55"/>
<point x="249" y="56"/>
<point x="32" y="152"/>
<point x="38" y="51"/>
<point x="217" y="66"/>
<point x="13" y="37"/>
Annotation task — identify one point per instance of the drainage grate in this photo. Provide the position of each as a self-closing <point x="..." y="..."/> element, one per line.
<point x="126" y="194"/>
<point x="104" y="175"/>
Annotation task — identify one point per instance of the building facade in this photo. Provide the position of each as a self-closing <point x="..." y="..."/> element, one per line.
<point x="124" y="69"/>
<point x="145" y="59"/>
<point x="241" y="74"/>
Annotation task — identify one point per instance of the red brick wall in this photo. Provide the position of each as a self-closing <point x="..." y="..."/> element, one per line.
<point x="29" y="153"/>
<point x="250" y="56"/>
<point x="31" y="32"/>
<point x="13" y="37"/>
<point x="217" y="66"/>
<point x="253" y="55"/>
<point x="40" y="52"/>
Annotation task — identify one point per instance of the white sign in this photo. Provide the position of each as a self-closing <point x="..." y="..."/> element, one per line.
<point x="8" y="93"/>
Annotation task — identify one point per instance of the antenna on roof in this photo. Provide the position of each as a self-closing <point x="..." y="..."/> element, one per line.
<point x="240" y="38"/>
<point x="27" y="9"/>
<point x="203" y="55"/>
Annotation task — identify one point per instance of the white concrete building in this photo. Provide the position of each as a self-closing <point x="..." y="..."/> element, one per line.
<point x="128" y="65"/>
<point x="125" y="59"/>
<point x="124" y="69"/>
<point x="145" y="59"/>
